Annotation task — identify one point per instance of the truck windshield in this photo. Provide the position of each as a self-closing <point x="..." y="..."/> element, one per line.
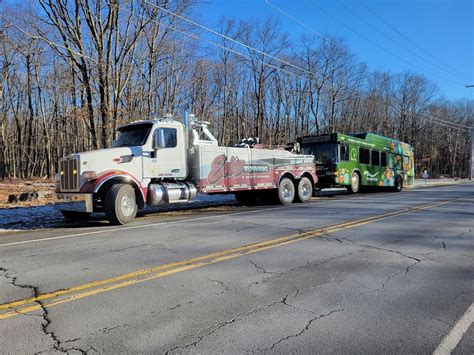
<point x="133" y="135"/>
<point x="324" y="153"/>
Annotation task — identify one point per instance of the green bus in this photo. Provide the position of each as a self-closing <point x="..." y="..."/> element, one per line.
<point x="357" y="160"/>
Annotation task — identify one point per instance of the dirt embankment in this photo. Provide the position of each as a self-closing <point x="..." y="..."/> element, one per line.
<point x="26" y="193"/>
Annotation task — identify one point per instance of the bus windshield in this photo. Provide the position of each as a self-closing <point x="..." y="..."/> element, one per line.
<point x="133" y="135"/>
<point x="324" y="153"/>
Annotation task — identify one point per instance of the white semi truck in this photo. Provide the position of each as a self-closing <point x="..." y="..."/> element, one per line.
<point x="156" y="162"/>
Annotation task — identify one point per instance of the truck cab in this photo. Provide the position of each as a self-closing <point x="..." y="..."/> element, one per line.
<point x="142" y="152"/>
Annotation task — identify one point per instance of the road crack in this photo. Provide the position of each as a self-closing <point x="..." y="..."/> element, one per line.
<point x="387" y="280"/>
<point x="46" y="320"/>
<point x="263" y="271"/>
<point x="311" y="321"/>
<point x="385" y="250"/>
<point x="225" y="288"/>
<point x="202" y="334"/>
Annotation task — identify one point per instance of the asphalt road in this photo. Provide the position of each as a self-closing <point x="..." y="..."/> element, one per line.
<point x="372" y="273"/>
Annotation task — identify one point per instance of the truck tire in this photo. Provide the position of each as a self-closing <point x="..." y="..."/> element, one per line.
<point x="120" y="206"/>
<point x="398" y="184"/>
<point x="286" y="191"/>
<point x="305" y="190"/>
<point x="354" y="187"/>
<point x="75" y="216"/>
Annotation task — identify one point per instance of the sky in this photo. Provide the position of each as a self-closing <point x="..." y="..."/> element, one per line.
<point x="435" y="37"/>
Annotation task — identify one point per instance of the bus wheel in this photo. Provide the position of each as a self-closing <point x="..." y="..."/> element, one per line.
<point x="305" y="190"/>
<point x="354" y="187"/>
<point x="286" y="191"/>
<point x="398" y="184"/>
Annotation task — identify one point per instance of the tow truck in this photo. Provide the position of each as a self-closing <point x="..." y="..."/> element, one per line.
<point x="162" y="161"/>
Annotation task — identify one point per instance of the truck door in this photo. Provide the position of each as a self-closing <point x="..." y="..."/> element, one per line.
<point x="168" y="156"/>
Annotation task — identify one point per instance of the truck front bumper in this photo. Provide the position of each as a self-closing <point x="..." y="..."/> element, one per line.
<point x="74" y="202"/>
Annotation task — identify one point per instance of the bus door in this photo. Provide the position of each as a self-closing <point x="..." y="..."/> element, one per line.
<point x="374" y="173"/>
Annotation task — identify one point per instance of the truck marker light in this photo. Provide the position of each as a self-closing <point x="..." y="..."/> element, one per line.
<point x="89" y="175"/>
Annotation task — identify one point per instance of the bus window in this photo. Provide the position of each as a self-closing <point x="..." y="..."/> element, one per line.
<point x="324" y="153"/>
<point x="344" y="152"/>
<point x="375" y="157"/>
<point x="397" y="162"/>
<point x="406" y="163"/>
<point x="383" y="160"/>
<point x="364" y="156"/>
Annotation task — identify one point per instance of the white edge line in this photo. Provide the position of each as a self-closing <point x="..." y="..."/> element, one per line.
<point x="135" y="227"/>
<point x="456" y="333"/>
<point x="157" y="224"/>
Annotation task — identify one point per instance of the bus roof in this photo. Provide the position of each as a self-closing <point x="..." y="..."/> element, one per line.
<point x="375" y="138"/>
<point x="367" y="139"/>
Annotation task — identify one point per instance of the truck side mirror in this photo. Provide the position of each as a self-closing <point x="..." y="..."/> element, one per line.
<point x="159" y="139"/>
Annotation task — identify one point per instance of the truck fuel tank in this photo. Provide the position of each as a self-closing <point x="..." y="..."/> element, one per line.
<point x="169" y="192"/>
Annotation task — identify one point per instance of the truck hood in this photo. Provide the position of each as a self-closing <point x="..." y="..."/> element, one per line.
<point x="128" y="159"/>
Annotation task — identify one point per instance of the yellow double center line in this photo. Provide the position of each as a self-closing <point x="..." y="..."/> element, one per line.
<point x="26" y="305"/>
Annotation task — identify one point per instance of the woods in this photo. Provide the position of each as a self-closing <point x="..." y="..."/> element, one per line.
<point x="73" y="71"/>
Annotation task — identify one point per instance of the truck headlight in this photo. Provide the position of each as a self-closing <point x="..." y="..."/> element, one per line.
<point x="89" y="175"/>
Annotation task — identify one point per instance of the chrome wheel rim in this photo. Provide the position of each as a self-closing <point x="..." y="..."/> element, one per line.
<point x="127" y="204"/>
<point x="305" y="190"/>
<point x="286" y="191"/>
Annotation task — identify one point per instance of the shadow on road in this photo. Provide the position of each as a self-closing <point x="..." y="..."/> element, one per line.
<point x="41" y="217"/>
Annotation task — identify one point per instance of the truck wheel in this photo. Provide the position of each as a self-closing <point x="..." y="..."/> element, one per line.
<point x="398" y="184"/>
<point x="75" y="216"/>
<point x="354" y="187"/>
<point x="120" y="206"/>
<point x="286" y="191"/>
<point x="305" y="190"/>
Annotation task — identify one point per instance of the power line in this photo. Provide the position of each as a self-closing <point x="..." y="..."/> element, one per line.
<point x="355" y="14"/>
<point x="381" y="47"/>
<point x="194" y="36"/>
<point x="409" y="40"/>
<point x="313" y="30"/>
<point x="261" y="52"/>
<point x="319" y="34"/>
<point x="50" y="43"/>
<point x="227" y="37"/>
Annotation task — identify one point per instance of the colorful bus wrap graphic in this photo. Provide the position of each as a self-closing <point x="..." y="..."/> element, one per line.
<point x="378" y="160"/>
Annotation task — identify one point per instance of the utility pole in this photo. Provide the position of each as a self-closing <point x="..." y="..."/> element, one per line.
<point x="471" y="154"/>
<point x="471" y="151"/>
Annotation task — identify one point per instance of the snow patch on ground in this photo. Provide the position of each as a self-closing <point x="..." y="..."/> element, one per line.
<point x="28" y="218"/>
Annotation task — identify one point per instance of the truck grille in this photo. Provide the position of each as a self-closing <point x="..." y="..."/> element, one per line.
<point x="69" y="174"/>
